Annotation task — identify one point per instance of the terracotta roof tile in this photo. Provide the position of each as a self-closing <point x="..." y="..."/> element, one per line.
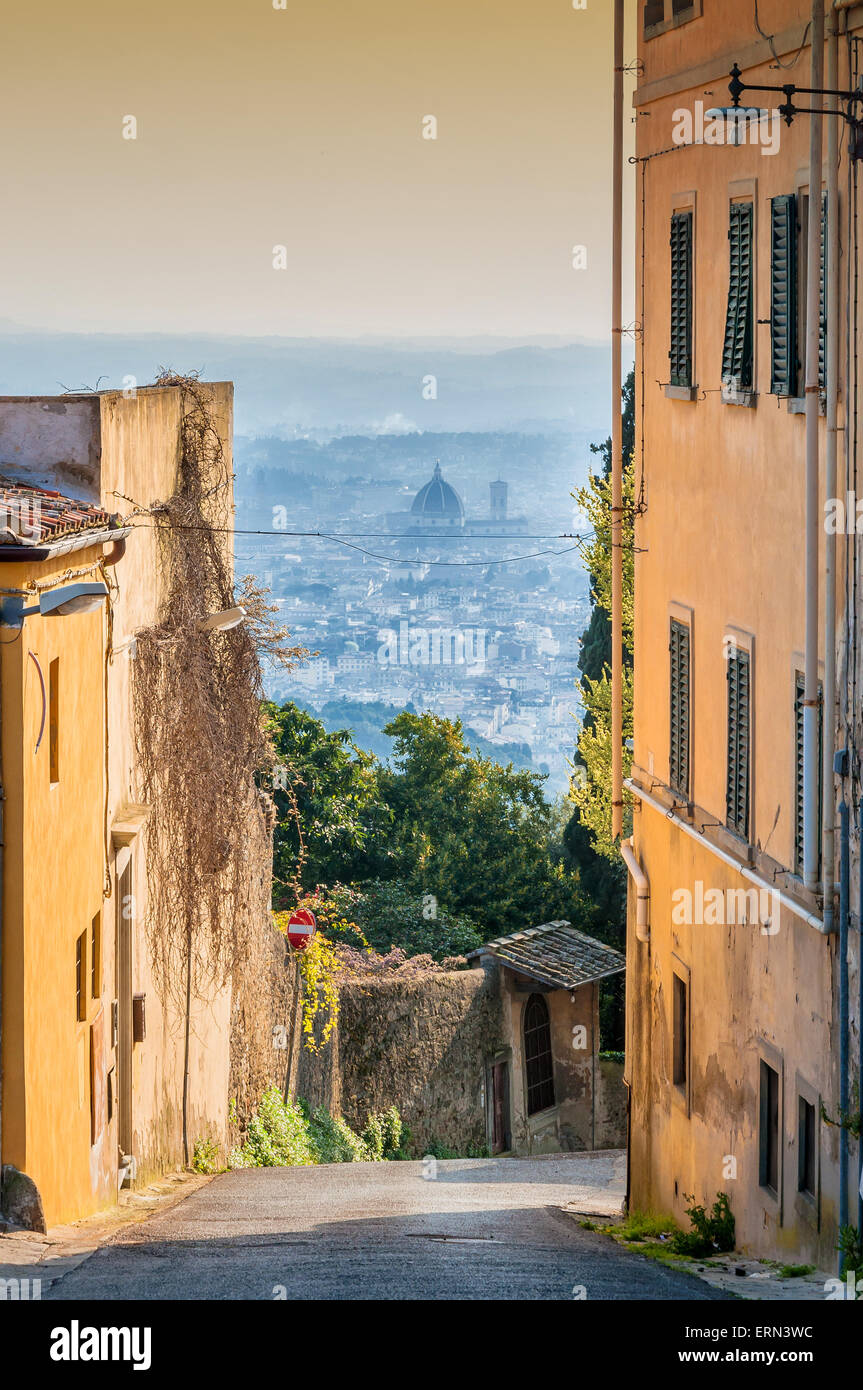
<point x="34" y="516"/>
<point x="556" y="954"/>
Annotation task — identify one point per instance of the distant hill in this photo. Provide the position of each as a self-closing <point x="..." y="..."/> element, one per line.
<point x="294" y="386"/>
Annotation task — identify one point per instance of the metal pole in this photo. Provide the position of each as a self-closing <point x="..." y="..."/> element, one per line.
<point x="811" y="805"/>
<point x="828" y="807"/>
<point x="617" y="439"/>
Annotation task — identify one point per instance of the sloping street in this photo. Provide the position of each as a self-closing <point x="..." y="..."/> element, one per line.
<point x="470" y="1229"/>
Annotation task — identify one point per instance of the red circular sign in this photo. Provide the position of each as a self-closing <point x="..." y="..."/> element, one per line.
<point x="301" y="928"/>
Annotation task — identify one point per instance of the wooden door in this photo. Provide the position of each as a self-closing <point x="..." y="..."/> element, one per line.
<point x="500" y="1107"/>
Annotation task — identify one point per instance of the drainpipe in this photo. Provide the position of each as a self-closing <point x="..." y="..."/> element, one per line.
<point x="828" y="811"/>
<point x="617" y="438"/>
<point x="860" y="1032"/>
<point x="813" y="514"/>
<point x="844" y="886"/>
<point x="2" y="847"/>
<point x="642" y="891"/>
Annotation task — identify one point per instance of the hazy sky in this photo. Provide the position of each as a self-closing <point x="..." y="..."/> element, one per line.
<point x="302" y="127"/>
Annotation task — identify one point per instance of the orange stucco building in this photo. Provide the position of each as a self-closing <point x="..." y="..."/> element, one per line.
<point x="735" y="973"/>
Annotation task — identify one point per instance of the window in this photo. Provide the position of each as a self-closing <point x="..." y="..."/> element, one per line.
<point x="678" y="755"/>
<point x="768" y="1129"/>
<point x="96" y="957"/>
<point x="54" y="720"/>
<point x="799" y="692"/>
<point x="806" y="1151"/>
<point x="785" y="364"/>
<point x="680" y="1025"/>
<point x="737" y="778"/>
<point x="666" y="14"/>
<point x="537" y="1055"/>
<point x="680" y="352"/>
<point x="737" y="352"/>
<point x="80" y="985"/>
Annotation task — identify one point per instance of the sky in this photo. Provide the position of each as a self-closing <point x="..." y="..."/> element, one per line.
<point x="302" y="128"/>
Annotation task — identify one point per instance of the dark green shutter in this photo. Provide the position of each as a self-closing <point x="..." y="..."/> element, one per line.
<point x="822" y="300"/>
<point x="680" y="354"/>
<point x="737" y="781"/>
<point x="799" y="692"/>
<point x="783" y="295"/>
<point x="737" y="348"/>
<point x="678" y="756"/>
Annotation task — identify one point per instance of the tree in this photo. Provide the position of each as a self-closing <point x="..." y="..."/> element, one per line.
<point x="329" y="811"/>
<point x="591" y="790"/>
<point x="475" y="835"/>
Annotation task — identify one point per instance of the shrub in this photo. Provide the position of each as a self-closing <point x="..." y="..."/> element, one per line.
<point x="205" y="1158"/>
<point x="332" y="1140"/>
<point x="277" y="1136"/>
<point x="709" y="1232"/>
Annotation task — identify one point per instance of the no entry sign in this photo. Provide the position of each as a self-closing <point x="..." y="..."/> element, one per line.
<point x="301" y="928"/>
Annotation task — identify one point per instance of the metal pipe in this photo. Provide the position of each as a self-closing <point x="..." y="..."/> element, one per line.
<point x="844" y="888"/>
<point x="642" y="890"/>
<point x="617" y="437"/>
<point x="782" y="898"/>
<point x="828" y="714"/>
<point x="860" y="1028"/>
<point x="811" y="807"/>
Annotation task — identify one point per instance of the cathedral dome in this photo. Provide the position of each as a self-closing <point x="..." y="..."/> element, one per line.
<point x="438" y="502"/>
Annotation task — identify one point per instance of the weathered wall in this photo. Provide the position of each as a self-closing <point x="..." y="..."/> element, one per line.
<point x="418" y="1043"/>
<point x="263" y="1020"/>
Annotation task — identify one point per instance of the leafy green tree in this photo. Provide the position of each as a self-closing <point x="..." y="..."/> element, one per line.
<point x="475" y="835"/>
<point x="330" y="812"/>
<point x="591" y="790"/>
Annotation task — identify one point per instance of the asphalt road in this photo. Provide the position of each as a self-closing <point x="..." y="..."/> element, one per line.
<point x="477" y="1229"/>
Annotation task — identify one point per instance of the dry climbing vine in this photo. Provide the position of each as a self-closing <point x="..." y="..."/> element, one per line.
<point x="199" y="732"/>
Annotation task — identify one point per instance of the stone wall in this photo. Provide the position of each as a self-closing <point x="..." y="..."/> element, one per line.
<point x="419" y="1043"/>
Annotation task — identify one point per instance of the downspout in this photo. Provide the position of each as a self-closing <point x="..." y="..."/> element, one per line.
<point x="828" y="716"/>
<point x="642" y="891"/>
<point x="811" y="806"/>
<point x="617" y="438"/>
<point x="844" y="886"/>
<point x="2" y="886"/>
<point x="860" y="1032"/>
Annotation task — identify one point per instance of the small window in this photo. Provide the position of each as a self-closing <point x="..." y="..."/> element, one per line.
<point x="799" y="692"/>
<point x="654" y="13"/>
<point x="806" y="1150"/>
<point x="737" y="778"/>
<point x="537" y="1055"/>
<point x="678" y="755"/>
<point x="96" y="957"/>
<point x="737" y="351"/>
<point x="54" y="720"/>
<point x="768" y="1129"/>
<point x="680" y="351"/>
<point x="680" y="1025"/>
<point x="80" y="978"/>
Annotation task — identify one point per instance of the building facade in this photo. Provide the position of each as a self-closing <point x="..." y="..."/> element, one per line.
<point x="743" y="1008"/>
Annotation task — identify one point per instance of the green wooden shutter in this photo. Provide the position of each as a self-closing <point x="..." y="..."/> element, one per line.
<point x="737" y="780"/>
<point x="680" y="354"/>
<point x="798" y="775"/>
<point x="737" y="348"/>
<point x="799" y="692"/>
<point x="678" y="756"/>
<point x="822" y="300"/>
<point x="783" y="295"/>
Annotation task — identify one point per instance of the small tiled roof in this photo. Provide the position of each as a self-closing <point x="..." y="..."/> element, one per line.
<point x="555" y="954"/>
<point x="34" y="516"/>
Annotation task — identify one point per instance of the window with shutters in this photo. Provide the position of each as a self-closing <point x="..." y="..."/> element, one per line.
<point x="539" y="1064"/>
<point x="738" y="675"/>
<point x="799" y="692"/>
<point x="680" y="351"/>
<point x="737" y="352"/>
<point x="678" y="755"/>
<point x="785" y="366"/>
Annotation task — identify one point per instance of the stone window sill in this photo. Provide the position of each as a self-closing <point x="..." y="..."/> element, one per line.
<point x="681" y="393"/>
<point x="732" y="396"/>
